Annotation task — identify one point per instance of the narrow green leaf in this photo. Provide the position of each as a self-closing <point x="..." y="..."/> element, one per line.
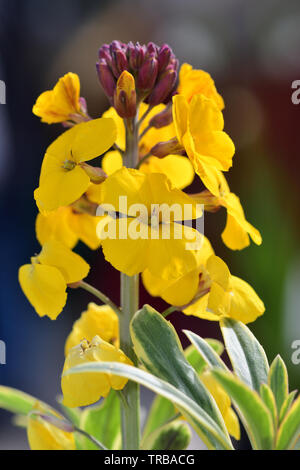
<point x="208" y="354"/>
<point x="158" y="347"/>
<point x="253" y="412"/>
<point x="289" y="431"/>
<point x="160" y="412"/>
<point x="74" y="414"/>
<point x="269" y="400"/>
<point x="18" y="402"/>
<point x="171" y="436"/>
<point x="103" y="422"/>
<point x="287" y="405"/>
<point x="194" y="414"/>
<point x="279" y="381"/>
<point x="247" y="356"/>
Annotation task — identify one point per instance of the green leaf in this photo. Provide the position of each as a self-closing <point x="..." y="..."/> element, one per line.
<point x="18" y="402"/>
<point x="208" y="354"/>
<point x="247" y="356"/>
<point x="253" y="412"/>
<point x="103" y="422"/>
<point x="269" y="400"/>
<point x="198" y="418"/>
<point x="287" y="405"/>
<point x="289" y="431"/>
<point x="161" y="411"/>
<point x="74" y="414"/>
<point x="279" y="381"/>
<point x="171" y="436"/>
<point x="158" y="347"/>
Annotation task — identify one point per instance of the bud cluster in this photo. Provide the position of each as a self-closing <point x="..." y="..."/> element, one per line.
<point x="154" y="68"/>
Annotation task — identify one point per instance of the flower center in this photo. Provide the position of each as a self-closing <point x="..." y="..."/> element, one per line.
<point x="69" y="165"/>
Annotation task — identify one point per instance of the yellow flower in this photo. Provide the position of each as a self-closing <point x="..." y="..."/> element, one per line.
<point x="178" y="169"/>
<point x="44" y="436"/>
<point x="84" y="389"/>
<point x="193" y="82"/>
<point x="63" y="180"/>
<point x="59" y="104"/>
<point x="224" y="404"/>
<point x="96" y="320"/>
<point x="227" y="296"/>
<point x="238" y="229"/>
<point x="147" y="237"/>
<point x="183" y="290"/>
<point x="45" y="280"/>
<point x="199" y="128"/>
<point x="68" y="226"/>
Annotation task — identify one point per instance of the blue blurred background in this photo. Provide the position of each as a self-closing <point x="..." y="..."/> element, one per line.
<point x="252" y="49"/>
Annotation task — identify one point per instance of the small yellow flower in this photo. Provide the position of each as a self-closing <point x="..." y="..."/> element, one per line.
<point x="68" y="226"/>
<point x="136" y="242"/>
<point x="84" y="389"/>
<point x="238" y="230"/>
<point x="45" y="280"/>
<point x="44" y="436"/>
<point x="199" y="129"/>
<point x="96" y="320"/>
<point x="59" y="104"/>
<point x="228" y="296"/>
<point x="224" y="404"/>
<point x="193" y="82"/>
<point x="63" y="180"/>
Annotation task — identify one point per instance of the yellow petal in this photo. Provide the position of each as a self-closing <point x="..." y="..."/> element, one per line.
<point x="72" y="266"/>
<point x="237" y="230"/>
<point x="56" y="226"/>
<point x="111" y="162"/>
<point x="59" y="187"/>
<point x="85" y="228"/>
<point x="121" y="131"/>
<point x="45" y="288"/>
<point x="232" y="424"/>
<point x="193" y="82"/>
<point x="97" y="320"/>
<point x="180" y="116"/>
<point x="204" y="116"/>
<point x="218" y="271"/>
<point x="44" y="436"/>
<point x="84" y="389"/>
<point x="93" y="138"/>
<point x="245" y="305"/>
<point x="178" y="169"/>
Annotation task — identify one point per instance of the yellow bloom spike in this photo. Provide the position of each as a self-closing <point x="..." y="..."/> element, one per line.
<point x="62" y="179"/>
<point x="87" y="388"/>
<point x="68" y="227"/>
<point x="199" y="128"/>
<point x="44" y="281"/>
<point x="224" y="404"/>
<point x="133" y="247"/>
<point x="59" y="104"/>
<point x="96" y="320"/>
<point x="193" y="82"/>
<point x="44" y="436"/>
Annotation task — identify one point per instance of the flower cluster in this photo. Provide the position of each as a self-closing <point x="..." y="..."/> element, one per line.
<point x="164" y="127"/>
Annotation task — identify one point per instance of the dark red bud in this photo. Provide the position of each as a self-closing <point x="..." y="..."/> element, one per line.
<point x="164" y="57"/>
<point x="147" y="74"/>
<point x="164" y="87"/>
<point x="106" y="78"/>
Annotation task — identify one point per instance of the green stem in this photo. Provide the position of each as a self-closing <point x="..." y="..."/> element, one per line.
<point x="130" y="406"/>
<point x="97" y="293"/>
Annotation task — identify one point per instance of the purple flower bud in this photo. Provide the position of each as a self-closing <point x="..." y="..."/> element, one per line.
<point x="136" y="55"/>
<point x="147" y="75"/>
<point x="162" y="119"/>
<point x="106" y="78"/>
<point x="152" y="49"/>
<point x="164" y="57"/>
<point x="165" y="86"/>
<point x="120" y="60"/>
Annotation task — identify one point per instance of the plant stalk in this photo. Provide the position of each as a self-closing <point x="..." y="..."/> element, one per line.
<point x="130" y="406"/>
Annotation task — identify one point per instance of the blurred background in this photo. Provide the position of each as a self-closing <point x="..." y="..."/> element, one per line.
<point x="252" y="50"/>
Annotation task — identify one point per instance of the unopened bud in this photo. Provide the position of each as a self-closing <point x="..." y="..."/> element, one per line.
<point x="162" y="119"/>
<point x="171" y="147"/>
<point x="136" y="55"/>
<point x="164" y="57"/>
<point x="125" y="96"/>
<point x="147" y="75"/>
<point x="96" y="175"/>
<point x="211" y="203"/>
<point x="106" y="78"/>
<point x="164" y="87"/>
